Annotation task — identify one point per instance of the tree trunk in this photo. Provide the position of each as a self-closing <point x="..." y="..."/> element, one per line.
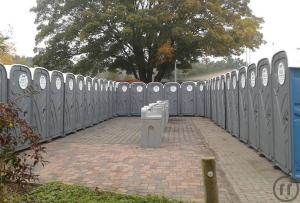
<point x="162" y="70"/>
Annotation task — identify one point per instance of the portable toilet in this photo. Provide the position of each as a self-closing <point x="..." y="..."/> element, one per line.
<point x="3" y="82"/>
<point x="69" y="104"/>
<point x="235" y="104"/>
<point x="123" y="99"/>
<point x="40" y="102"/>
<point x="253" y="107"/>
<point x="80" y="106"/>
<point x="200" y="94"/>
<point x="188" y="98"/>
<point x="228" y="103"/>
<point x="155" y="92"/>
<point x="20" y="93"/>
<point x="95" y="93"/>
<point x="208" y="99"/>
<point x="171" y="93"/>
<point x="243" y="104"/>
<point x="56" y="104"/>
<point x="89" y="113"/>
<point x="138" y="97"/>
<point x="265" y="122"/>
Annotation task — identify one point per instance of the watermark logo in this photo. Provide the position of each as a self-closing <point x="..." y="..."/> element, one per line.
<point x="285" y="190"/>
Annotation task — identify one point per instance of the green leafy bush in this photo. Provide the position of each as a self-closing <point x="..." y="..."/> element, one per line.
<point x="62" y="193"/>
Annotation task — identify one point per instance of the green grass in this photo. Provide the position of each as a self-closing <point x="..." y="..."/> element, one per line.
<point x="62" y="193"/>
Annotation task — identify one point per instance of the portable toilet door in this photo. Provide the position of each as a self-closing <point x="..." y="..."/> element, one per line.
<point x="208" y="99"/>
<point x="20" y="83"/>
<point x="105" y="99"/>
<point x="99" y="101"/>
<point x="40" y="102"/>
<point x="213" y="99"/>
<point x="243" y="105"/>
<point x="138" y="97"/>
<point x="115" y="85"/>
<point x="188" y="98"/>
<point x="95" y="93"/>
<point x="113" y="99"/>
<point x="79" y="102"/>
<point x="56" y="104"/>
<point x="69" y="104"/>
<point x="222" y="102"/>
<point x="281" y="111"/>
<point x="123" y="99"/>
<point x="89" y="113"/>
<point x="154" y="92"/>
<point x="253" y="106"/>
<point x="200" y="93"/>
<point x="110" y="99"/>
<point x="228" y="103"/>
<point x="235" y="104"/>
<point x="218" y="101"/>
<point x="3" y="84"/>
<point x="265" y="122"/>
<point x="171" y="93"/>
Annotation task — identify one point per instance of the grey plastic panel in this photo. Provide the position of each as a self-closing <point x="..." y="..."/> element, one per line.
<point x="208" y="99"/>
<point x="80" y="106"/>
<point x="265" y="122"/>
<point x="213" y="100"/>
<point x="102" y="89"/>
<point x="40" y="102"/>
<point x="105" y="100"/>
<point x="200" y="93"/>
<point x="115" y="84"/>
<point x="253" y="106"/>
<point x="56" y="114"/>
<point x="171" y="93"/>
<point x="228" y="102"/>
<point x="123" y="99"/>
<point x="110" y="99"/>
<point x="95" y="93"/>
<point x="3" y="83"/>
<point x="99" y="117"/>
<point x="235" y="104"/>
<point x="218" y="101"/>
<point x="188" y="98"/>
<point x="19" y="83"/>
<point x="222" y="104"/>
<point x="281" y="111"/>
<point x="89" y="100"/>
<point x="155" y="92"/>
<point x="138" y="97"/>
<point x="69" y="104"/>
<point x="243" y="105"/>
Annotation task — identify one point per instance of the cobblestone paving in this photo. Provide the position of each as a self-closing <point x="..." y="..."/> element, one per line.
<point x="108" y="156"/>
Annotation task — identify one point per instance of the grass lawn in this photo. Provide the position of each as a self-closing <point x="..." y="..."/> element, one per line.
<point x="62" y="193"/>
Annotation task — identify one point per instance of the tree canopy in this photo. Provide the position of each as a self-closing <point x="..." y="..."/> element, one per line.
<point x="143" y="37"/>
<point x="6" y="49"/>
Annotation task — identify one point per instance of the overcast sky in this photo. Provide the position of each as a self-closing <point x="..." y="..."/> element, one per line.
<point x="281" y="28"/>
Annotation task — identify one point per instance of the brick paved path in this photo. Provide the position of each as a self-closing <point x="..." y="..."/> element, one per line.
<point x="108" y="156"/>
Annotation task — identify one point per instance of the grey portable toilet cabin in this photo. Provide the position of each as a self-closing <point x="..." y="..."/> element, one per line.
<point x="123" y="99"/>
<point x="80" y="105"/>
<point x="69" y="103"/>
<point x="101" y="106"/>
<point x="188" y="98"/>
<point x="110" y="99"/>
<point x="200" y="100"/>
<point x="155" y="92"/>
<point x="265" y="122"/>
<point x="222" y="102"/>
<point x="40" y="102"/>
<point x="105" y="99"/>
<point x="138" y="97"/>
<point x="114" y="97"/>
<point x="56" y="104"/>
<point x="3" y="84"/>
<point x="235" y="104"/>
<point x="171" y="93"/>
<point x="208" y="99"/>
<point x="99" y="101"/>
<point x="228" y="103"/>
<point x="20" y="83"/>
<point x="253" y="107"/>
<point x="95" y="93"/>
<point x="218" y="100"/>
<point x="89" y="100"/>
<point x="281" y="111"/>
<point x="213" y="99"/>
<point x="243" y="104"/>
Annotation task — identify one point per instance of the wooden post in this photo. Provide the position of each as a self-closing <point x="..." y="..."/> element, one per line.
<point x="210" y="180"/>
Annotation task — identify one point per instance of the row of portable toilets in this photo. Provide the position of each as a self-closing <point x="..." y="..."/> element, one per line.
<point x="62" y="103"/>
<point x="260" y="106"/>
